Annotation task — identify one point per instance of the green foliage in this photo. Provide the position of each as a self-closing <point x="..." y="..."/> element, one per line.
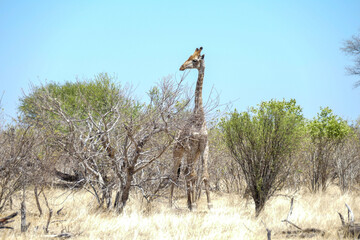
<point x="261" y="140"/>
<point x="270" y="124"/>
<point x="327" y="134"/>
<point x="97" y="96"/>
<point x="356" y="126"/>
<point x="328" y="126"/>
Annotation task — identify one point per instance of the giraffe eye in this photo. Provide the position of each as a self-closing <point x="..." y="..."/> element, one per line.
<point x="194" y="60"/>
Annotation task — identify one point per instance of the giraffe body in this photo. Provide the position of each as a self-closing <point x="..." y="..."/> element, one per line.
<point x="193" y="139"/>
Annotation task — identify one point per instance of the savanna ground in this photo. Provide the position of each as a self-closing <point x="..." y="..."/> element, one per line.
<point x="232" y="217"/>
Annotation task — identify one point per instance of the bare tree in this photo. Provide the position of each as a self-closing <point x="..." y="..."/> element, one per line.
<point x="225" y="173"/>
<point x="352" y="48"/>
<point x="108" y="148"/>
<point x="347" y="163"/>
<point x="16" y="153"/>
<point x="21" y="164"/>
<point x="318" y="166"/>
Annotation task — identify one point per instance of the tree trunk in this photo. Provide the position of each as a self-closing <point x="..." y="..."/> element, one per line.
<point x="37" y="201"/>
<point x="23" y="212"/>
<point x="259" y="200"/>
<point x="106" y="196"/>
<point x="123" y="196"/>
<point x="258" y="208"/>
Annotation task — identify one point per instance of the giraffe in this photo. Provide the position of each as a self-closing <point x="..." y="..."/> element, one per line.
<point x="193" y="139"/>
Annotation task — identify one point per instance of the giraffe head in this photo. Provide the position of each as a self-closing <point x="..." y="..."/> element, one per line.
<point x="195" y="61"/>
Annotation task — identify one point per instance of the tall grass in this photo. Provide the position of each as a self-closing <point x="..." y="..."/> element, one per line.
<point x="232" y="217"/>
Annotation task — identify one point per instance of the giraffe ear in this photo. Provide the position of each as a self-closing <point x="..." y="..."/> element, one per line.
<point x="203" y="56"/>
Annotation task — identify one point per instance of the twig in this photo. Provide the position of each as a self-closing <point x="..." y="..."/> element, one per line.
<point x="5" y="227"/>
<point x="267" y="230"/>
<point x="58" y="211"/>
<point x="342" y="219"/>
<point x="291" y="208"/>
<point x="58" y="221"/>
<point x="248" y="228"/>
<point x="61" y="235"/>
<point x="292" y="224"/>
<point x="6" y="219"/>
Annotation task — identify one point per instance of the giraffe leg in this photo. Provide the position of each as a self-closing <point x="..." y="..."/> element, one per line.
<point x="177" y="156"/>
<point x="190" y="176"/>
<point x="204" y="160"/>
<point x="193" y="192"/>
<point x="190" y="187"/>
<point x="199" y="180"/>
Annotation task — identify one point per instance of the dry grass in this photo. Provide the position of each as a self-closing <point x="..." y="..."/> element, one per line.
<point x="231" y="217"/>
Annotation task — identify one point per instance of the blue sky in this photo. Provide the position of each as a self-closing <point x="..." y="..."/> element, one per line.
<point x="254" y="50"/>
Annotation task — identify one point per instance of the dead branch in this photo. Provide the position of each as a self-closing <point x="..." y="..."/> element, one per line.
<point x="5" y="227"/>
<point x="58" y="211"/>
<point x="350" y="214"/>
<point x="67" y="177"/>
<point x="287" y="221"/>
<point x="61" y="235"/>
<point x="342" y="219"/>
<point x="7" y="220"/>
<point x="350" y="228"/>
<point x="307" y="232"/>
<point x="291" y="208"/>
<point x="289" y="214"/>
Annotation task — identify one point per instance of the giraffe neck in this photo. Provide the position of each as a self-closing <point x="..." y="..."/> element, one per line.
<point x="199" y="109"/>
